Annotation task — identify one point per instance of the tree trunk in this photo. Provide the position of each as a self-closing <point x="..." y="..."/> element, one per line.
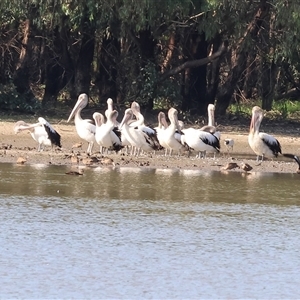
<point x="194" y="101"/>
<point x="147" y="49"/>
<point x="82" y="78"/>
<point x="268" y="80"/>
<point x="106" y="78"/>
<point x="59" y="66"/>
<point x="268" y="67"/>
<point x="213" y="74"/>
<point x="239" y="58"/>
<point x="21" y="78"/>
<point x="251" y="75"/>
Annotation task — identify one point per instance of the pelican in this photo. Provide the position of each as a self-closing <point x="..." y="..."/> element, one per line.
<point x="261" y="143"/>
<point x="162" y="125"/>
<point x="140" y="123"/>
<point x="42" y="132"/>
<point x="136" y="137"/>
<point x="84" y="127"/>
<point x="200" y="141"/>
<point x="110" y="108"/>
<point x="107" y="135"/>
<point x="171" y="135"/>
<point x="211" y="127"/>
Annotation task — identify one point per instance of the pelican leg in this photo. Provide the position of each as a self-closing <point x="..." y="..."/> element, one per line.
<point x="133" y="150"/>
<point x="258" y="158"/>
<point x="166" y="151"/>
<point x="201" y="154"/>
<point x="90" y="147"/>
<point x="138" y="151"/>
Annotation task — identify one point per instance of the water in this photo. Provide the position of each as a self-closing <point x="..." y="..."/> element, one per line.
<point x="139" y="233"/>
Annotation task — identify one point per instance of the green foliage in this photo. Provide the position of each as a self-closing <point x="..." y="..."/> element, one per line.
<point x="10" y="100"/>
<point x="283" y="109"/>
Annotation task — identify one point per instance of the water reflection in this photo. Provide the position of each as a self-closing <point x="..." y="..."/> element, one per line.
<point x="147" y="183"/>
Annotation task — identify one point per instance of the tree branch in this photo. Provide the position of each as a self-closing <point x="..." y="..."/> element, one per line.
<point x="196" y="63"/>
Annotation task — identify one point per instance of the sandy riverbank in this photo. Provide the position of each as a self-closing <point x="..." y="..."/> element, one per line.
<point x="22" y="145"/>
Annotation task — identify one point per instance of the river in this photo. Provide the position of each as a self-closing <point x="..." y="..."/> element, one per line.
<point x="148" y="233"/>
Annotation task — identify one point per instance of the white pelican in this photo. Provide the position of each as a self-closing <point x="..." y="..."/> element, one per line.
<point x="200" y="141"/>
<point x="42" y="132"/>
<point x="261" y="143"/>
<point x="140" y="123"/>
<point x="211" y="127"/>
<point x="84" y="127"/>
<point x="110" y="108"/>
<point x="162" y="125"/>
<point x="107" y="135"/>
<point x="136" y="137"/>
<point x="171" y="135"/>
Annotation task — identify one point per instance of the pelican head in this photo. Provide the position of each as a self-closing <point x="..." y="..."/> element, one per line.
<point x="135" y="106"/>
<point x="99" y="119"/>
<point x="257" y="116"/>
<point x="127" y="117"/>
<point x="80" y="104"/>
<point x="210" y="107"/>
<point x="113" y="116"/>
<point x="162" y="122"/>
<point x="173" y="117"/>
<point x="21" y="125"/>
<point x="110" y="103"/>
<point x="211" y="114"/>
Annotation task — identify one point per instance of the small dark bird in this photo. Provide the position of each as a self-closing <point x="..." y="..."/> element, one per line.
<point x="230" y="166"/>
<point x="229" y="144"/>
<point x="246" y="167"/>
<point x="296" y="158"/>
<point x="74" y="173"/>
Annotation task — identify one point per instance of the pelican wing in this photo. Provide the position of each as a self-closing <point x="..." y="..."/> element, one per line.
<point x="271" y="142"/>
<point x="118" y="133"/>
<point x="53" y="135"/>
<point x="209" y="139"/>
<point x="89" y="125"/>
<point x="115" y="135"/>
<point x="151" y="138"/>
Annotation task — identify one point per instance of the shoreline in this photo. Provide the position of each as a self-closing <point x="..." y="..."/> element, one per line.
<point x="14" y="146"/>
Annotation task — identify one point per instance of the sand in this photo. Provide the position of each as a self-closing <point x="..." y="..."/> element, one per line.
<point x="13" y="147"/>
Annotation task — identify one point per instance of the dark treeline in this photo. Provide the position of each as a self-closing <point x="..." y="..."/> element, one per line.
<point x="185" y="53"/>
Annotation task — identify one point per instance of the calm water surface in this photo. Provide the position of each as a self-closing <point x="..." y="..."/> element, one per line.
<point x="145" y="233"/>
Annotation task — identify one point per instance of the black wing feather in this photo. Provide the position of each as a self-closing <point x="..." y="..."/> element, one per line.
<point x="53" y="136"/>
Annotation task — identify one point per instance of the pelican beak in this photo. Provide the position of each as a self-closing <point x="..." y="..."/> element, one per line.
<point x="73" y="112"/>
<point x="178" y="127"/>
<point x="126" y="118"/>
<point x="114" y="115"/>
